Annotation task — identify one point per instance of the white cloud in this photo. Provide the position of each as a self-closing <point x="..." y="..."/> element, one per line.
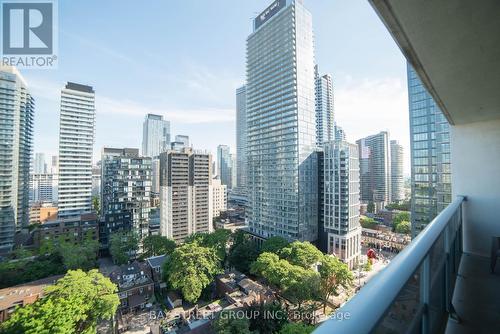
<point x="368" y="106"/>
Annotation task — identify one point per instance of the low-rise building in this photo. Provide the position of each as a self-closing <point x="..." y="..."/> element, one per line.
<point x="385" y="240"/>
<point x="42" y="212"/>
<point x="22" y="295"/>
<point x="135" y="286"/>
<point x="155" y="264"/>
<point x="73" y="230"/>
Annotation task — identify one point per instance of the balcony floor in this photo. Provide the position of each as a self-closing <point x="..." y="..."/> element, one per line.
<point x="476" y="297"/>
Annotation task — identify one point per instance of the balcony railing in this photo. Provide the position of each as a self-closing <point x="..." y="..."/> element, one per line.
<point x="413" y="293"/>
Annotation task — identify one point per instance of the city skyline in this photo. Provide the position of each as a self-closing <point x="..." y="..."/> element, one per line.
<point x="372" y="90"/>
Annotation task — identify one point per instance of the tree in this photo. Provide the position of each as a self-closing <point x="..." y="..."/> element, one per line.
<point x="96" y="204"/>
<point x="267" y="318"/>
<point x="74" y="304"/>
<point x="228" y="323"/>
<point x="302" y="254"/>
<point x="155" y="245"/>
<point x="367" y="222"/>
<point x="274" y="244"/>
<point x="191" y="268"/>
<point x="123" y="246"/>
<point x="334" y="274"/>
<point x="404" y="227"/>
<point x="401" y="216"/>
<point x="301" y="285"/>
<point x="296" y="328"/>
<point x="80" y="256"/>
<point x="217" y="240"/>
<point x="242" y="254"/>
<point x="370" y="207"/>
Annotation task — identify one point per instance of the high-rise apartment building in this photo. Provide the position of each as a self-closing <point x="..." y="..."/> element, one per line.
<point x="397" y="179"/>
<point x="430" y="155"/>
<point x="375" y="169"/>
<point x="17" y="109"/>
<point x="341" y="228"/>
<point x="185" y="193"/>
<point x="125" y="187"/>
<point x="43" y="188"/>
<point x="241" y="138"/>
<point x="225" y="165"/>
<point x="281" y="124"/>
<point x="325" y="125"/>
<point x="76" y="142"/>
<point x="219" y="197"/>
<point x="155" y="135"/>
<point x="39" y="165"/>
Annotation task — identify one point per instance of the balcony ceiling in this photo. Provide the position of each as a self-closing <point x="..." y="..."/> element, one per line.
<point x="454" y="45"/>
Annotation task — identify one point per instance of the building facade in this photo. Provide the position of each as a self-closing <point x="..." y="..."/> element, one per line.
<point x="17" y="108"/>
<point x="341" y="201"/>
<point x="241" y="137"/>
<point x="43" y="188"/>
<point x="155" y="135"/>
<point x="126" y="187"/>
<point x="185" y="193"/>
<point x="76" y="142"/>
<point x="219" y="197"/>
<point x="281" y="124"/>
<point x="430" y="155"/>
<point x="375" y="169"/>
<point x="397" y="179"/>
<point x="225" y="165"/>
<point x="39" y="165"/>
<point x="325" y="125"/>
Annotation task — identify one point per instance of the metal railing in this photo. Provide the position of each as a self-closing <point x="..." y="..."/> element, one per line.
<point x="413" y="293"/>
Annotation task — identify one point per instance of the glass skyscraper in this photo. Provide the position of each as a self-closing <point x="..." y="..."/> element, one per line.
<point x="241" y="137"/>
<point x="155" y="135"/>
<point x="325" y="125"/>
<point x="282" y="176"/>
<point x="225" y="165"/>
<point x="430" y="155"/>
<point x="17" y="110"/>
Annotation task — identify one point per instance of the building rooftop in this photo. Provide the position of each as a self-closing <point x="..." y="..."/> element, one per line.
<point x="156" y="261"/>
<point x="16" y="295"/>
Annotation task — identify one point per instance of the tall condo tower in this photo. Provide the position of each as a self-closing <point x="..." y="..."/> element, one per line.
<point x="325" y="125"/>
<point x="397" y="180"/>
<point x="282" y="178"/>
<point x="76" y="142"/>
<point x="16" y="144"/>
<point x="241" y="137"/>
<point x="430" y="155"/>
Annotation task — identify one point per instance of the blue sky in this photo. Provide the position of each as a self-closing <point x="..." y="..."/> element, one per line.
<point x="185" y="58"/>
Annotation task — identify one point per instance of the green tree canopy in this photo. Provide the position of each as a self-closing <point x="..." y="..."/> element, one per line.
<point x="296" y="328"/>
<point x="217" y="240"/>
<point x="403" y="227"/>
<point x="401" y="216"/>
<point x="274" y="244"/>
<point x="228" y="323"/>
<point x="334" y="274"/>
<point x="367" y="222"/>
<point x="267" y="318"/>
<point x="155" y="245"/>
<point x="191" y="268"/>
<point x="302" y="254"/>
<point x="297" y="283"/>
<point x="370" y="207"/>
<point x="243" y="252"/>
<point x="123" y="246"/>
<point x="74" y="304"/>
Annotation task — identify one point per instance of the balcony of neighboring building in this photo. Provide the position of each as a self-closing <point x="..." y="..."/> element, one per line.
<point x="442" y="282"/>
